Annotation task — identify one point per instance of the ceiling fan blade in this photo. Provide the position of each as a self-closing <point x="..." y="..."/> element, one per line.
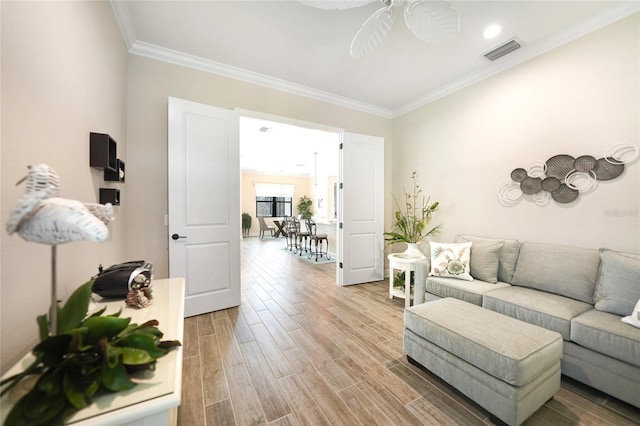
<point x="335" y="4"/>
<point x="372" y="32"/>
<point x="432" y="21"/>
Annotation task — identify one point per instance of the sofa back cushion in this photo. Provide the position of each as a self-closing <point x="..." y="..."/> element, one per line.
<point x="564" y="270"/>
<point x="618" y="287"/>
<point x="508" y="255"/>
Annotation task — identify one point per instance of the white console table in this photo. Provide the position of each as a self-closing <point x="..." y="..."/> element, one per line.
<point x="406" y="263"/>
<point x="154" y="400"/>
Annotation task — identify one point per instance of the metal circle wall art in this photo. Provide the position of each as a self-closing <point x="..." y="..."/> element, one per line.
<point x="509" y="193"/>
<point x="559" y="165"/>
<point x="584" y="163"/>
<point x="531" y="185"/>
<point x="581" y="181"/>
<point x="563" y="177"/>
<point x="542" y="198"/>
<point x="551" y="184"/>
<point x="537" y="169"/>
<point x="621" y="153"/>
<point x="518" y="175"/>
<point x="564" y="194"/>
<point x="606" y="168"/>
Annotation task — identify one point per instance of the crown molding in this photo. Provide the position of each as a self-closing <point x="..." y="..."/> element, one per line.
<point x="196" y="62"/>
<point x="612" y="14"/>
<point x="616" y="12"/>
<point x="123" y="18"/>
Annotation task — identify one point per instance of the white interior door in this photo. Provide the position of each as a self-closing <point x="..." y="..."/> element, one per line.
<point x="361" y="209"/>
<point x="204" y="204"/>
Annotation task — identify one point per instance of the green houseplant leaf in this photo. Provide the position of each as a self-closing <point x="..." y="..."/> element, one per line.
<point x="115" y="378"/>
<point x="37" y="408"/>
<point x="100" y="327"/>
<point x="74" y="311"/>
<point x="75" y="391"/>
<point x="412" y="222"/>
<point x="304" y="207"/>
<point x="141" y="341"/>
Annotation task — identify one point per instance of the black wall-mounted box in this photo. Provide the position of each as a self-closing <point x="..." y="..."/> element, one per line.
<point x="103" y="152"/>
<point x="110" y="195"/>
<point x="118" y="175"/>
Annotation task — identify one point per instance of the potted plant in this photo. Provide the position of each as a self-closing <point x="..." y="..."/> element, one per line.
<point x="412" y="220"/>
<point x="398" y="279"/>
<point x="90" y="354"/>
<point x="246" y="224"/>
<point x="304" y="207"/>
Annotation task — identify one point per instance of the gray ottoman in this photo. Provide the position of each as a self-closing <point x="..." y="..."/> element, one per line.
<point x="509" y="367"/>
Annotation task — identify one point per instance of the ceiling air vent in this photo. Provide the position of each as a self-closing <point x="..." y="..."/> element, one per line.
<point x="264" y="129"/>
<point x="502" y="50"/>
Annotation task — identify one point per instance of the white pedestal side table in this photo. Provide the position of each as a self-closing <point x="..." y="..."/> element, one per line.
<point x="406" y="263"/>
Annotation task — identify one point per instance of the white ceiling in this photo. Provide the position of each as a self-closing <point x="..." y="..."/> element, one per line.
<point x="303" y="50"/>
<point x="286" y="149"/>
<point x="298" y="48"/>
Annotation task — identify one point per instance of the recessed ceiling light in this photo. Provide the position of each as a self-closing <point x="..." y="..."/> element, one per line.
<point x="491" y="31"/>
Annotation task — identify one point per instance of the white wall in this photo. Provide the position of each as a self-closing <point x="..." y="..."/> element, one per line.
<point x="63" y="76"/>
<point x="577" y="99"/>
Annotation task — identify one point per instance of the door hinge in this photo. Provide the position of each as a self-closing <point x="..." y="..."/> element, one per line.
<point x="341" y="185"/>
<point x="341" y="145"/>
<point x="340" y="226"/>
<point x="340" y="265"/>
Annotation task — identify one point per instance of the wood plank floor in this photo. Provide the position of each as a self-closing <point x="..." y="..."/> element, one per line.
<point x="300" y="350"/>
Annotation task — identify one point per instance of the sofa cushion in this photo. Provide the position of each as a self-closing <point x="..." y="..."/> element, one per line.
<point x="618" y="286"/>
<point x="477" y="336"/>
<point x="605" y="333"/>
<point x="451" y="260"/>
<point x="485" y="259"/>
<point x="547" y="310"/>
<point x="508" y="254"/>
<point x="469" y="291"/>
<point x="567" y="271"/>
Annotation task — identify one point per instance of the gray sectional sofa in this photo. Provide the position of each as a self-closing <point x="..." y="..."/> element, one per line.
<point x="580" y="293"/>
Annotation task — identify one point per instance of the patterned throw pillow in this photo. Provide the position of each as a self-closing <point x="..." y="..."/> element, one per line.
<point x="451" y="260"/>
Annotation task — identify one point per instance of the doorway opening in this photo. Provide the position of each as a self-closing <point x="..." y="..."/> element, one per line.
<point x="285" y="160"/>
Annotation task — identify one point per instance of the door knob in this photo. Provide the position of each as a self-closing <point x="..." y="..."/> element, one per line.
<point x="176" y="236"/>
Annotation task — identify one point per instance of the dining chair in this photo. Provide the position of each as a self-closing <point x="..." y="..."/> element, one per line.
<point x="303" y="234"/>
<point x="291" y="232"/>
<point x="265" y="227"/>
<point x="317" y="240"/>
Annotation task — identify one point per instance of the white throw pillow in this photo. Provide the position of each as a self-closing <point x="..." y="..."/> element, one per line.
<point x="634" y="318"/>
<point x="451" y="260"/>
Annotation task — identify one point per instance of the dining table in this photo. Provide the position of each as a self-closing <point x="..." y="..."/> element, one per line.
<point x="280" y="228"/>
